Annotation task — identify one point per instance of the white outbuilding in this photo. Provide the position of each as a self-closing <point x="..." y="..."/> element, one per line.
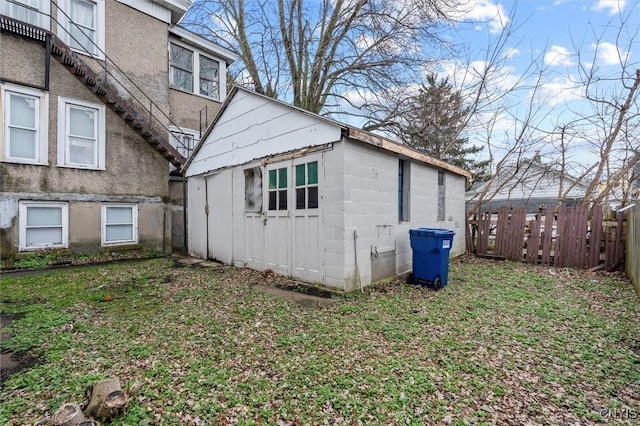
<point x="271" y="186"/>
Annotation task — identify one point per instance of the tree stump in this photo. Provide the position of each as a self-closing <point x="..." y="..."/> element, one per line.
<point x="105" y="399"/>
<point x="70" y="415"/>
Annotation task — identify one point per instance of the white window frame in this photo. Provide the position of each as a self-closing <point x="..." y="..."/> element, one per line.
<point x="134" y="219"/>
<point x="176" y="144"/>
<point x="43" y="9"/>
<point x="196" y="71"/>
<point x="24" y="206"/>
<point x="64" y="27"/>
<point x="42" y="123"/>
<point x="63" y="126"/>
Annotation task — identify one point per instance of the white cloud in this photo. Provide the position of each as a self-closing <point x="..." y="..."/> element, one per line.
<point x="558" y="55"/>
<point x="559" y="91"/>
<point x="511" y="52"/>
<point x="485" y="11"/>
<point x="614" y="6"/>
<point x="608" y="53"/>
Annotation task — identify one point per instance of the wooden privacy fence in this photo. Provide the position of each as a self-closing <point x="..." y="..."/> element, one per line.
<point x="633" y="247"/>
<point x="567" y="237"/>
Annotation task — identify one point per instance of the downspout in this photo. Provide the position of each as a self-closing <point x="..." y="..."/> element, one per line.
<point x="185" y="232"/>
<point x="47" y="63"/>
<point x="206" y="213"/>
<point x="355" y="253"/>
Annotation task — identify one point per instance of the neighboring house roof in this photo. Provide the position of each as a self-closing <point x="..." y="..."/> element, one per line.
<point x="530" y="183"/>
<point x="349" y="132"/>
<point x="532" y="205"/>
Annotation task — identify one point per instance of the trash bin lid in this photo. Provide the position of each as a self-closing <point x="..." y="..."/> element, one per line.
<point x="431" y="232"/>
<point x="422" y="232"/>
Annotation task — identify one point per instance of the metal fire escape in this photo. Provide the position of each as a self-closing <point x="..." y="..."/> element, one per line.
<point x="137" y="110"/>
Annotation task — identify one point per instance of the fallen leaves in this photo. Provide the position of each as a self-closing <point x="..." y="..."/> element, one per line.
<point x="508" y="345"/>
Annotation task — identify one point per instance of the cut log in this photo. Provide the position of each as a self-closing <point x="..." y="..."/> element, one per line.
<point x="70" y="415"/>
<point x="105" y="400"/>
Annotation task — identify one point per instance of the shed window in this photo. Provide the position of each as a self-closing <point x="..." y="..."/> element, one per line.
<point x="403" y="190"/>
<point x="253" y="190"/>
<point x="441" y="212"/>
<point x="307" y="186"/>
<point x="278" y="189"/>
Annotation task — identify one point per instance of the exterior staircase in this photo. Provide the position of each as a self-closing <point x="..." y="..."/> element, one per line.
<point x="138" y="117"/>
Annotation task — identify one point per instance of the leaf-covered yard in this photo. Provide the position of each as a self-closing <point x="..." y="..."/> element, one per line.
<point x="504" y="343"/>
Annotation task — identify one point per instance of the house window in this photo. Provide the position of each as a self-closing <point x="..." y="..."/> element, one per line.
<point x="181" y="68"/>
<point x="307" y="186"/>
<point x="43" y="225"/>
<point x="81" y="25"/>
<point x="81" y="134"/>
<point x="403" y="191"/>
<point x="441" y="195"/>
<point x="209" y="78"/>
<point x="278" y="189"/>
<point x="119" y="224"/>
<point x="34" y="12"/>
<point x="193" y="72"/>
<point x="184" y="140"/>
<point x="253" y="190"/>
<point x="25" y="124"/>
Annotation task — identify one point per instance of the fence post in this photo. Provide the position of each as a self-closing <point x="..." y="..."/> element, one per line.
<point x="632" y="262"/>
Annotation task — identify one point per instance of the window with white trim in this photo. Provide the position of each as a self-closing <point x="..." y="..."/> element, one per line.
<point x="43" y="225"/>
<point x="25" y="121"/>
<point x="34" y="12"/>
<point x="119" y="224"/>
<point x="307" y="185"/>
<point x="193" y="72"/>
<point x="184" y="140"/>
<point x="81" y="26"/>
<point x="81" y="134"/>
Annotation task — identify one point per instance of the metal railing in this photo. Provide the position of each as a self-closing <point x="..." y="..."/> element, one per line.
<point x="155" y="113"/>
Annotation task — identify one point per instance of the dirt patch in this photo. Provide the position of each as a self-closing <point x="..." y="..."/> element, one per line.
<point x="302" y="299"/>
<point x="12" y="362"/>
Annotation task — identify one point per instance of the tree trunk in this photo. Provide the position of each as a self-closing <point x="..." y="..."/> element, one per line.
<point x="105" y="399"/>
<point x="70" y="415"/>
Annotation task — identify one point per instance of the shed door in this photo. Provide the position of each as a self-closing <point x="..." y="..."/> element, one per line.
<point x="219" y="202"/>
<point x="307" y="249"/>
<point x="277" y="237"/>
<point x="292" y="243"/>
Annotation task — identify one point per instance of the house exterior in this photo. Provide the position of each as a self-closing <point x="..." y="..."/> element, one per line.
<point x="274" y="187"/>
<point x="97" y="99"/>
<point x="531" y="184"/>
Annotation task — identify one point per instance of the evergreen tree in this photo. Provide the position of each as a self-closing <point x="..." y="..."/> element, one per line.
<point x="432" y="125"/>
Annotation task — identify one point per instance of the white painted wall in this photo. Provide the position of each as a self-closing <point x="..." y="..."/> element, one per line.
<point x="196" y="217"/>
<point x="358" y="190"/>
<point x="371" y="207"/>
<point x="254" y="127"/>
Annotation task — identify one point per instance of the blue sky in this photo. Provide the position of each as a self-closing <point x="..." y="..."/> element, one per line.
<point x="558" y="36"/>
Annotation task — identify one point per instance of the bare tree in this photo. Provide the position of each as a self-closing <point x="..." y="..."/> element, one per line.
<point x="319" y="55"/>
<point x="603" y="120"/>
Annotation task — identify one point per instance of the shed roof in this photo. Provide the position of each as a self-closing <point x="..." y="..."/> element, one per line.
<point x="349" y="132"/>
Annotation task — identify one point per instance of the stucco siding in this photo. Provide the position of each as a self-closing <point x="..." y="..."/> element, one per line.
<point x="188" y="111"/>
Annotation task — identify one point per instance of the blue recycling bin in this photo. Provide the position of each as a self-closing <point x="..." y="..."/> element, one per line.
<point x="431" y="247"/>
